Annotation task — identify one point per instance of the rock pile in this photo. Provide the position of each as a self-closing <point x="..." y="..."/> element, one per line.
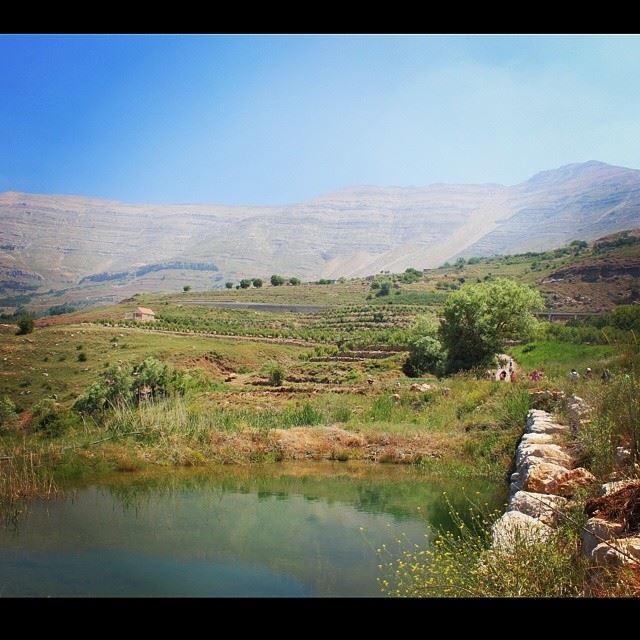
<point x="545" y="477"/>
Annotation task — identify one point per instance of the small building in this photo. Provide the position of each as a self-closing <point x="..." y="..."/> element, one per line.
<point x="141" y="314"/>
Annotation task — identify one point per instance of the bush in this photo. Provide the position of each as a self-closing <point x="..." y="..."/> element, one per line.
<point x="385" y="289"/>
<point x="245" y="283"/>
<point x="228" y="285"/>
<point x="82" y="357"/>
<point x="294" y="281"/>
<point x="425" y="356"/>
<point x="276" y="373"/>
<point x="186" y="288"/>
<point x="257" y="283"/>
<point x="277" y="281"/>
<point x="8" y="414"/>
<point x="25" y="325"/>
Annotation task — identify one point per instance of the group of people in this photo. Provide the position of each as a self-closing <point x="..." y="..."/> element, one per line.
<point x="537" y="375"/>
<point x="588" y="374"/>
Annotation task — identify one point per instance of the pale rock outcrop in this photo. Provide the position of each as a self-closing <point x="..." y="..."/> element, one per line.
<point x="538" y="438"/>
<point x="621" y="551"/>
<point x="541" y="506"/>
<point x="595" y="531"/>
<point x="544" y="452"/>
<point x="515" y="528"/>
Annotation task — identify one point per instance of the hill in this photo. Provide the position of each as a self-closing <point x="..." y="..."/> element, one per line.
<point x="56" y="249"/>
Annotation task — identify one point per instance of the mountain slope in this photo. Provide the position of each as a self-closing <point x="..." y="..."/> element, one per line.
<point x="83" y="249"/>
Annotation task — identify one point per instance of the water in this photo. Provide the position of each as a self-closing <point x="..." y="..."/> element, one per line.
<point x="306" y="529"/>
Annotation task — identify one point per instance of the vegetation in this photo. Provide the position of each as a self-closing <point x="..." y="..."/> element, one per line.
<point x="25" y="325"/>
<point x="245" y="283"/>
<point x="257" y="283"/>
<point x="228" y="285"/>
<point x="478" y="319"/>
<point x="277" y="281"/>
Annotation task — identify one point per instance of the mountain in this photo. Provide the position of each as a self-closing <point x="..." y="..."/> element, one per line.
<point x="82" y="250"/>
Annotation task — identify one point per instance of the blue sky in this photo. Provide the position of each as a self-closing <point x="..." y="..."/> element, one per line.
<point x="280" y="119"/>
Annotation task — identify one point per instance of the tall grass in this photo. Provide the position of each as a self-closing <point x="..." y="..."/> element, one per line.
<point x="23" y="474"/>
<point x="461" y="563"/>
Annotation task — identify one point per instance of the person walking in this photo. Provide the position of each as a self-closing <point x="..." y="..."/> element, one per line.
<point x="536" y="375"/>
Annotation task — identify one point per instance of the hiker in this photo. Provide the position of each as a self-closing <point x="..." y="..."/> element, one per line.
<point x="503" y="375"/>
<point x="588" y="373"/>
<point x="536" y="375"/>
<point x="606" y="375"/>
<point x="574" y="375"/>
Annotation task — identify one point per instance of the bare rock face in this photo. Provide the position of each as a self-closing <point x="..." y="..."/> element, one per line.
<point x="514" y="529"/>
<point x="545" y="453"/>
<point x="596" y="531"/>
<point x="617" y="552"/>
<point x="541" y="506"/>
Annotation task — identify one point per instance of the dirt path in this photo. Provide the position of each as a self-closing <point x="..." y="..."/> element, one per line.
<point x="508" y="364"/>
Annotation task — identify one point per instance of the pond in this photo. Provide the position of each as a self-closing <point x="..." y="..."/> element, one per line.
<point x="289" y="529"/>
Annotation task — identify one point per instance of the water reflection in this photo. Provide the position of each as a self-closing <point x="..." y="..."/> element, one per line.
<point x="289" y="529"/>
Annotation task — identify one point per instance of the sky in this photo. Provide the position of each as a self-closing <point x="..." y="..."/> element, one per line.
<point x="282" y="119"/>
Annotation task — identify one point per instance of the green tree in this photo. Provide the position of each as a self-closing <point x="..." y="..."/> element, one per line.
<point x="257" y="283"/>
<point x="277" y="280"/>
<point x="229" y="285"/>
<point x="186" y="288"/>
<point x="479" y="318"/>
<point x="245" y="283"/>
<point x="385" y="289"/>
<point x="25" y="325"/>
<point x="294" y="281"/>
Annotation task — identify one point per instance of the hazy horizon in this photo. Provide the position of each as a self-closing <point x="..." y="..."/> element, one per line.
<point x="272" y="120"/>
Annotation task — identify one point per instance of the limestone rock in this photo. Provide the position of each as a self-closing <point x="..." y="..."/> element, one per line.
<point x="515" y="528"/>
<point x="545" y="452"/>
<point x="541" y="477"/>
<point x="538" y="438"/>
<point x="612" y="487"/>
<point x="541" y="506"/>
<point x="610" y="553"/>
<point x="567" y="483"/>
<point x="595" y="531"/>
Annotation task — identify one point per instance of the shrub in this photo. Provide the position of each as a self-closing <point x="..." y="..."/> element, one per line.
<point x="277" y="281"/>
<point x="8" y="414"/>
<point x="245" y="283"/>
<point x="25" y="325"/>
<point x="82" y="357"/>
<point x="425" y="356"/>
<point x="228" y="285"/>
<point x="276" y="373"/>
<point x="257" y="283"/>
<point x="186" y="288"/>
